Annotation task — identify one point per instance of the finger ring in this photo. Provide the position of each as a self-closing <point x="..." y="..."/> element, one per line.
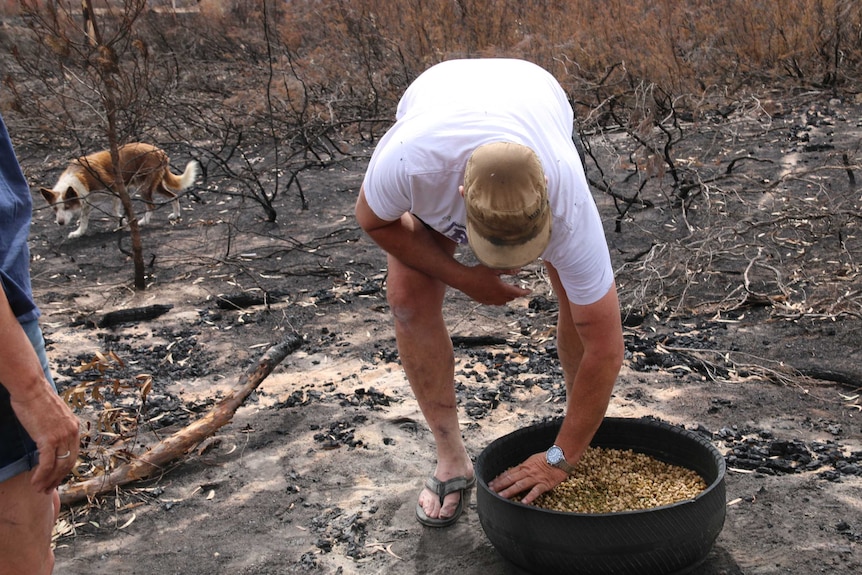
<point x="65" y="455"/>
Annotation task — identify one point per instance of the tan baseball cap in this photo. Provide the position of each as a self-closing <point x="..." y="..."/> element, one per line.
<point x="508" y="216"/>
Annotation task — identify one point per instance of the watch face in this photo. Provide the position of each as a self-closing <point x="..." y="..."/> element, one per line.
<point x="554" y="455"/>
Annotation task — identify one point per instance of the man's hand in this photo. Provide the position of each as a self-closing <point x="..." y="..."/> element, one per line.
<point x="486" y="286"/>
<point x="533" y="477"/>
<point x="54" y="428"/>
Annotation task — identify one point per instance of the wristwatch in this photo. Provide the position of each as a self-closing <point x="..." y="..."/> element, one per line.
<point x="556" y="458"/>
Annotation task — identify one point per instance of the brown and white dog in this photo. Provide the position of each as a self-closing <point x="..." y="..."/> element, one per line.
<point x="143" y="167"/>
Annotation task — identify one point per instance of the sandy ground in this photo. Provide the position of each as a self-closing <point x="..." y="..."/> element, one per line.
<point x="268" y="498"/>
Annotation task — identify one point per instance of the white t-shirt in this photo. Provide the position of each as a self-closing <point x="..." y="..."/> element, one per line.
<point x="458" y="105"/>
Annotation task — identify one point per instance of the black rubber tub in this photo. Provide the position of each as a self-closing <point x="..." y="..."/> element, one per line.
<point x="671" y="539"/>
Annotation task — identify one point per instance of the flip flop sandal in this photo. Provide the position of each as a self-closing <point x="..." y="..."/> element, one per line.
<point x="442" y="489"/>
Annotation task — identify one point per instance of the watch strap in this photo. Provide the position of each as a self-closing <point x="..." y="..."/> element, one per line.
<point x="561" y="463"/>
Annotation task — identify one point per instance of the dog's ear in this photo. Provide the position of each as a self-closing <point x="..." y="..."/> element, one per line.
<point x="49" y="195"/>
<point x="70" y="194"/>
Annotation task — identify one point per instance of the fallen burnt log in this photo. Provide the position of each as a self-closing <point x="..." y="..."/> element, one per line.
<point x="477" y="340"/>
<point x="134" y="315"/>
<point x="248" y="299"/>
<point x="177" y="445"/>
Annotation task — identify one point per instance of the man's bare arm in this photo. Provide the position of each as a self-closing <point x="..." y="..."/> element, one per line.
<point x="44" y="415"/>
<point x="408" y="240"/>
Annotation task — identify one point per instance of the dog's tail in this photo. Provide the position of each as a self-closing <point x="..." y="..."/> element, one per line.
<point x="184" y="180"/>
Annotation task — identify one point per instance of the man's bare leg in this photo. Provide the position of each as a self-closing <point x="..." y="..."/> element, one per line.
<point x="26" y="520"/>
<point x="425" y="349"/>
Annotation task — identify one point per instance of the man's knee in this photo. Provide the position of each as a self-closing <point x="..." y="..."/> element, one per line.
<point x="403" y="305"/>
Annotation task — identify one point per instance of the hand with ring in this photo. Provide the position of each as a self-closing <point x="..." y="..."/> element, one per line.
<point x="54" y="428"/>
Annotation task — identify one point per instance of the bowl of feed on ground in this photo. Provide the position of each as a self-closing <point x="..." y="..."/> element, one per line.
<point x="623" y="512"/>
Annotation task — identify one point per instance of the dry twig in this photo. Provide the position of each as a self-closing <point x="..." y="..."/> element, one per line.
<point x="181" y="442"/>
